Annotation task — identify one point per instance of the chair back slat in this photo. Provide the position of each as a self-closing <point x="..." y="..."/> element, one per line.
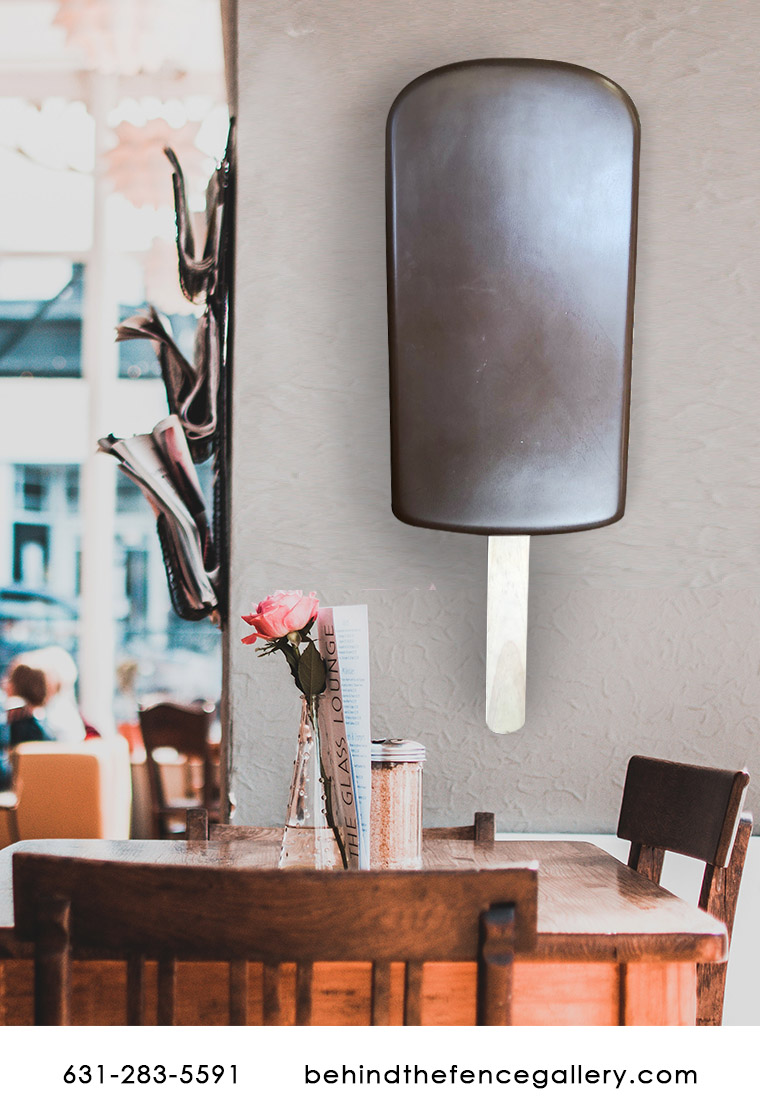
<point x="167" y="990"/>
<point x="304" y="976"/>
<point x="413" y="994"/>
<point x="270" y="989"/>
<point x="207" y="912"/>
<point x="135" y="990"/>
<point x="495" y="989"/>
<point x="381" y="994"/>
<point x="238" y="993"/>
<point x="682" y="808"/>
<point x="52" y="960"/>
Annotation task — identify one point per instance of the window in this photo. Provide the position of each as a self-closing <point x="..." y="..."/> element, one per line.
<point x="31" y="554"/>
<point x="41" y="311"/>
<point x="32" y="489"/>
<point x="49" y="136"/>
<point x="129" y="497"/>
<point x="41" y="318"/>
<point x="72" y="489"/>
<point x="43" y="566"/>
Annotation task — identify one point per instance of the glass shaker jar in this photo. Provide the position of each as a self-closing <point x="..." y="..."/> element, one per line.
<point x="396" y="810"/>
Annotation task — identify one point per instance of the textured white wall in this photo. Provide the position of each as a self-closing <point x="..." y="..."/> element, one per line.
<point x="644" y="635"/>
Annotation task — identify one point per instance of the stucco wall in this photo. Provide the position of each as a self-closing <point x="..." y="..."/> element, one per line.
<point x="643" y="636"/>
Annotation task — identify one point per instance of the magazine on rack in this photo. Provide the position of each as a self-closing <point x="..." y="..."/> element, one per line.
<point x="161" y="465"/>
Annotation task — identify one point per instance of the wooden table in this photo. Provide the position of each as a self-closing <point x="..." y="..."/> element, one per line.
<point x="612" y="947"/>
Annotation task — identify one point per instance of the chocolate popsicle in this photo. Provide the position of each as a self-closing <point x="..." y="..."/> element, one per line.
<point x="511" y="222"/>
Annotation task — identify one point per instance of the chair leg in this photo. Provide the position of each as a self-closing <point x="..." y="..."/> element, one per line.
<point x="711" y="987"/>
<point x="719" y="896"/>
<point x="271" y="995"/>
<point x="413" y="994"/>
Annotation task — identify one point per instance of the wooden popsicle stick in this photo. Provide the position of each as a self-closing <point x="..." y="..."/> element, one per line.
<point x="507" y="632"/>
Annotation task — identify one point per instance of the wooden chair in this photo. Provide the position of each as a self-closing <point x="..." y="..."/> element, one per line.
<point x="73" y="790"/>
<point x="695" y="811"/>
<point x="481" y="831"/>
<point x="186" y="728"/>
<point x="168" y="912"/>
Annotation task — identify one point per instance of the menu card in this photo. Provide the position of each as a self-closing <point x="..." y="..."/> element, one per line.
<point x="344" y="725"/>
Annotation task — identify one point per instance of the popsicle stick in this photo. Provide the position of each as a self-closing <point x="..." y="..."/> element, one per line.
<point x="507" y="632"/>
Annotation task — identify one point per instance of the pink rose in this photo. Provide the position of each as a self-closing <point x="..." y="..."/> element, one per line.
<point x="281" y="614"/>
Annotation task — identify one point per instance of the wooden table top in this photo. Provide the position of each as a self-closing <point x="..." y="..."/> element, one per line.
<point x="591" y="907"/>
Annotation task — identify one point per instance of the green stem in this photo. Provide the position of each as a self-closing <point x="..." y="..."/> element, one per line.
<point x="326" y="783"/>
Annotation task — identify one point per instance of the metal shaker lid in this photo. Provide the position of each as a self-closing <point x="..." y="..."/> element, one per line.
<point x="397" y="750"/>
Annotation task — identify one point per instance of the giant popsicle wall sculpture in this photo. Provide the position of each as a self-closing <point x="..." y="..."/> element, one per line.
<point x="511" y="195"/>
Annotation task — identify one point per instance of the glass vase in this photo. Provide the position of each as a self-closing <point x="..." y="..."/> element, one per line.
<point x="309" y="841"/>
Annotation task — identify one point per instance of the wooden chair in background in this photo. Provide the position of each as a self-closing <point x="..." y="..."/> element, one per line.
<point x="695" y="811"/>
<point x="167" y="912"/>
<point x="481" y="831"/>
<point x="185" y="728"/>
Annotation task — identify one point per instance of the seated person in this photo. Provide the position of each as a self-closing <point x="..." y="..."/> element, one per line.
<point x="27" y="689"/>
<point x="62" y="718"/>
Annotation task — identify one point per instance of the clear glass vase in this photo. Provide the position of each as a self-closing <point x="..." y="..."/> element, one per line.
<point x="308" y="839"/>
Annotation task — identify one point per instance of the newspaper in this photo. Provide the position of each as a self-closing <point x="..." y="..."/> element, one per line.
<point x="344" y="725"/>
<point x="191" y="389"/>
<point x="160" y="464"/>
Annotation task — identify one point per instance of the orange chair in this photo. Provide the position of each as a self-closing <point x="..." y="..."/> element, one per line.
<point x="73" y="790"/>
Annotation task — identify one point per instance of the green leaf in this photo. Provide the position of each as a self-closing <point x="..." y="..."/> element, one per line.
<point x="311" y="677"/>
<point x="291" y="656"/>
